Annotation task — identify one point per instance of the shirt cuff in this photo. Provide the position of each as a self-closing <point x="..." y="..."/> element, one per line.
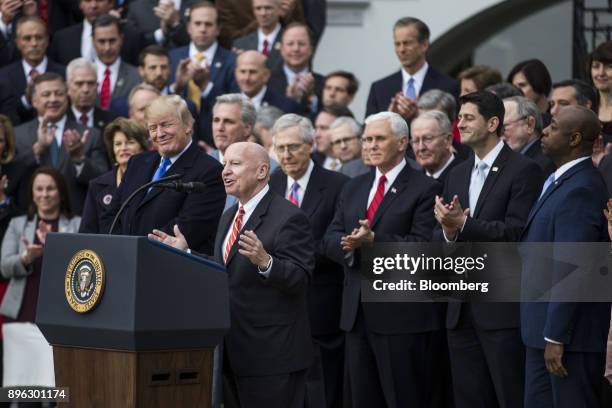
<point x="3" y="27"/>
<point x="188" y="250"/>
<point x="266" y="273"/>
<point x="207" y="90"/>
<point x="24" y="102"/>
<point x="159" y="36"/>
<point x="456" y="235"/>
<point x="552" y="341"/>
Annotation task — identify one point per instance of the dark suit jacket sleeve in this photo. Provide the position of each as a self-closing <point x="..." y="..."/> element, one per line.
<point x="293" y="256"/>
<point x="525" y="190"/>
<point x="89" y="218"/>
<point x="331" y="241"/>
<point x="96" y="161"/>
<point x="579" y="220"/>
<point x="372" y="104"/>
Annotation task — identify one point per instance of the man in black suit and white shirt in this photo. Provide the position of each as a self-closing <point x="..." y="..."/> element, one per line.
<point x="269" y="31"/>
<point x="32" y="41"/>
<point x="387" y="343"/>
<point x="486" y="198"/>
<point x="82" y="90"/>
<point x="266" y="244"/>
<point x="52" y="139"/>
<point x="316" y="191"/>
<point x="398" y="92"/>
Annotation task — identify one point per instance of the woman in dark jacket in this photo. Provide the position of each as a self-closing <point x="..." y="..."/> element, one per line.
<point x="123" y="139"/>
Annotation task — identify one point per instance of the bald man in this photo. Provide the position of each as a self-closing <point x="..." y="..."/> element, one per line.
<point x="565" y="342"/>
<point x="252" y="75"/>
<point x="266" y="244"/>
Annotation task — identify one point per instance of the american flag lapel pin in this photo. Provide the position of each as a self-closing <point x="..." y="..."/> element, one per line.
<point x="393" y="190"/>
<point x="495" y="168"/>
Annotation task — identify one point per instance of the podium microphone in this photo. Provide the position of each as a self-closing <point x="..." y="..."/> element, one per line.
<point x="138" y="190"/>
<point x="183" y="187"/>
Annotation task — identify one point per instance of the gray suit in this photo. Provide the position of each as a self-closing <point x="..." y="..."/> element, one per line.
<point x="251" y="41"/>
<point x="354" y="168"/>
<point x="11" y="266"/>
<point x="95" y="162"/>
<point x="127" y="79"/>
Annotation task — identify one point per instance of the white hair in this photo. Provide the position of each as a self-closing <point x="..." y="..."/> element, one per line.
<point x="398" y="125"/>
<point x="290" y="120"/>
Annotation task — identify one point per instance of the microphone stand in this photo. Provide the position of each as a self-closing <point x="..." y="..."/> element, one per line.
<point x="138" y="190"/>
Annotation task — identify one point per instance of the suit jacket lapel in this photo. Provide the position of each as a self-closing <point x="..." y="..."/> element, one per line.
<point x="363" y="193"/>
<point x="394" y="191"/>
<point x="120" y="79"/>
<point x="494" y="172"/>
<point x="253" y="222"/>
<point x="224" y="225"/>
<point x="216" y="64"/>
<point x="313" y="195"/>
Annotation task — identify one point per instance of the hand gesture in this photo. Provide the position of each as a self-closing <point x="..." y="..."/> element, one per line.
<point x="306" y="84"/>
<point x="183" y="75"/>
<point x="30" y="8"/>
<point x="31" y="253"/>
<point x="75" y="144"/>
<point x="201" y="74"/>
<point x="9" y="9"/>
<point x="3" y="185"/>
<point x="450" y="216"/>
<point x="294" y="91"/>
<point x="205" y="146"/>
<point x="168" y="15"/>
<point x="600" y="150"/>
<point x="608" y="214"/>
<point x="404" y="106"/>
<point x="42" y="230"/>
<point x="177" y="241"/>
<point x="44" y="137"/>
<point x="358" y="237"/>
<point x="553" y="358"/>
<point x="252" y="248"/>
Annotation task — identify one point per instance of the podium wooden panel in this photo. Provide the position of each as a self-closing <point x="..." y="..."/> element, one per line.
<point x="148" y="379"/>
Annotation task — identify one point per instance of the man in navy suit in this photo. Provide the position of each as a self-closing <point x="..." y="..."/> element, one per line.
<point x="204" y="67"/>
<point x="32" y="40"/>
<point x="252" y="76"/>
<point x="566" y="342"/>
<point x="316" y="191"/>
<point x="486" y="199"/>
<point x="398" y="92"/>
<point x="387" y="344"/>
<point x="197" y="214"/>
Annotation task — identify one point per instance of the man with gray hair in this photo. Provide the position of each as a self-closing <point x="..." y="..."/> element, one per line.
<point x="523" y="129"/>
<point x="386" y="343"/>
<point x="315" y="190"/>
<point x="431" y="142"/>
<point x="139" y="98"/>
<point x="266" y="117"/>
<point x="82" y="81"/>
<point x="345" y="140"/>
<point x="233" y="120"/>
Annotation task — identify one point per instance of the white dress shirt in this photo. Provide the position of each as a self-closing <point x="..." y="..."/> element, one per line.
<point x="77" y="116"/>
<point x="437" y="174"/>
<point x="114" y="73"/>
<point x="391" y="175"/>
<point x="209" y="55"/>
<point x="419" y="78"/>
<point x="257" y="100"/>
<point x="270" y="37"/>
<point x="87" y="49"/>
<point x="40" y="68"/>
<point x="302" y="182"/>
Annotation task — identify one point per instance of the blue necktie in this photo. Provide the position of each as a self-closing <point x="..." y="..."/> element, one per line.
<point x="410" y="90"/>
<point x="54" y="148"/>
<point x="549" y="181"/>
<point x="161" y="170"/>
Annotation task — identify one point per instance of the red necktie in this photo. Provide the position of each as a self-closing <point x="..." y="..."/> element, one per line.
<point x="33" y="74"/>
<point x="234" y="234"/>
<point x="380" y="193"/>
<point x="83" y="119"/>
<point x="105" y="90"/>
<point x="266" y="48"/>
<point x="43" y="10"/>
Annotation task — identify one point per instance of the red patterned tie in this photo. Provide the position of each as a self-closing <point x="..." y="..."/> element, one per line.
<point x="380" y="193"/>
<point x="234" y="234"/>
<point x="105" y="90"/>
<point x="33" y="74"/>
<point x="84" y="119"/>
<point x="266" y="48"/>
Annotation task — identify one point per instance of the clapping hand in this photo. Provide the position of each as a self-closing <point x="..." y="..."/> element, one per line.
<point x="31" y="252"/>
<point x="75" y="144"/>
<point x="358" y="237"/>
<point x="450" y="216"/>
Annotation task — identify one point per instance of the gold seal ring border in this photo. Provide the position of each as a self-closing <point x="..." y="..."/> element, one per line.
<point x="99" y="276"/>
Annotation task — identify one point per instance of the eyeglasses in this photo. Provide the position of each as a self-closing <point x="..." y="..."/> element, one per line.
<point x="343" y="140"/>
<point x="426" y="140"/>
<point x="517" y="120"/>
<point x="291" y="148"/>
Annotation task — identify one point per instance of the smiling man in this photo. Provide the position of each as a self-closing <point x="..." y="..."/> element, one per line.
<point x="170" y="126"/>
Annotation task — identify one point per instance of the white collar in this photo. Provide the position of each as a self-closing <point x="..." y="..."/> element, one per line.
<point x="209" y="53"/>
<point x="40" y="68"/>
<point x="173" y="159"/>
<point x="437" y="174"/>
<point x="564" y="168"/>
<point x="114" y="67"/>
<point x="392" y="174"/>
<point x="257" y="100"/>
<point x="490" y="158"/>
<point x="270" y="37"/>
<point x="302" y="181"/>
<point x="250" y="205"/>
<point x="77" y="114"/>
<point x="419" y="76"/>
<point x="290" y="74"/>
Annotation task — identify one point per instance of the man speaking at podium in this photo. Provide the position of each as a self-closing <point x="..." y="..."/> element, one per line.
<point x="197" y="214"/>
<point x="266" y="244"/>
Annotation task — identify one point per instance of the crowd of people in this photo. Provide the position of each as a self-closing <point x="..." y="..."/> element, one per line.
<point x="98" y="99"/>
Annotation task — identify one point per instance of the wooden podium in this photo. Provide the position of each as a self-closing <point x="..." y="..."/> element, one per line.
<point x="148" y="341"/>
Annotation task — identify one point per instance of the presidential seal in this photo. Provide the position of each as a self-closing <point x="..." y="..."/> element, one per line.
<point x="84" y="281"/>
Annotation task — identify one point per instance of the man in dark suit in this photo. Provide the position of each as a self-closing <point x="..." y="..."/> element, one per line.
<point x="75" y="41"/>
<point x="52" y="139"/>
<point x="117" y="77"/>
<point x="398" y="92"/>
<point x="294" y="78"/>
<point x="171" y="127"/>
<point x="387" y="343"/>
<point x="316" y="191"/>
<point x="522" y="130"/>
<point x="8" y="102"/>
<point x="252" y="76"/>
<point x="431" y="142"/>
<point x="82" y="85"/>
<point x="32" y="41"/>
<point x="160" y="21"/>
<point x="266" y="39"/>
<point x="566" y="342"/>
<point x="496" y="187"/>
<point x="266" y="244"/>
<point x="203" y="67"/>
